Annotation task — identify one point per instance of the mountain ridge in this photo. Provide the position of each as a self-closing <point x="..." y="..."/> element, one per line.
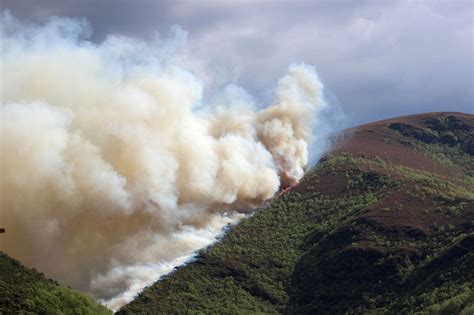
<point x="383" y="224"/>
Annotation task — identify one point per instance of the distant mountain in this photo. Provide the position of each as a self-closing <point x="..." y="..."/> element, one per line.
<point x="25" y="291"/>
<point x="383" y="224"/>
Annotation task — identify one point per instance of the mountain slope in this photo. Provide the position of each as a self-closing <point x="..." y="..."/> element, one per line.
<point x="25" y="291"/>
<point x="385" y="223"/>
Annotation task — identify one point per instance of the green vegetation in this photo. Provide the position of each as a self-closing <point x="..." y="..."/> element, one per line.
<point x="388" y="230"/>
<point x="26" y="291"/>
<point x="360" y="234"/>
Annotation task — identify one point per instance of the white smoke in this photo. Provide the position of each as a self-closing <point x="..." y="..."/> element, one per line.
<point x="113" y="168"/>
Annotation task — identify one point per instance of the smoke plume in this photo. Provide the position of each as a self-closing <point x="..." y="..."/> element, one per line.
<point x="113" y="167"/>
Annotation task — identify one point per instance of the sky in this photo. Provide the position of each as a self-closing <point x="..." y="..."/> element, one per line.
<point x="377" y="59"/>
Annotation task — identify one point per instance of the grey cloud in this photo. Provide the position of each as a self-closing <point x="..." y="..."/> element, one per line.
<point x="379" y="58"/>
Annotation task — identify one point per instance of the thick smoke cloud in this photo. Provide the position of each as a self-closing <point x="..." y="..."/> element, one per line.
<point x="114" y="169"/>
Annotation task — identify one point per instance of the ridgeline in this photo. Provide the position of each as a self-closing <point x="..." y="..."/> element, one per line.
<point x="383" y="224"/>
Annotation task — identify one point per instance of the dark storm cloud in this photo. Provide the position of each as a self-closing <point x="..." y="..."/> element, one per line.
<point x="379" y="58"/>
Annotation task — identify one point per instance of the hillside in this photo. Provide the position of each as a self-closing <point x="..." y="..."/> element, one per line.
<point x="25" y="291"/>
<point x="383" y="224"/>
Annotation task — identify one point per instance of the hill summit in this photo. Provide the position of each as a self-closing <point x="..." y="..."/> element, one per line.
<point x="384" y="223"/>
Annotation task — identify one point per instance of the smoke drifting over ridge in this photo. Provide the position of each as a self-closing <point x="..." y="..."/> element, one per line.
<point x="113" y="168"/>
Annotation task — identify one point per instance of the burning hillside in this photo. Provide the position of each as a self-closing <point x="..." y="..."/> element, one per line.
<point x="113" y="168"/>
